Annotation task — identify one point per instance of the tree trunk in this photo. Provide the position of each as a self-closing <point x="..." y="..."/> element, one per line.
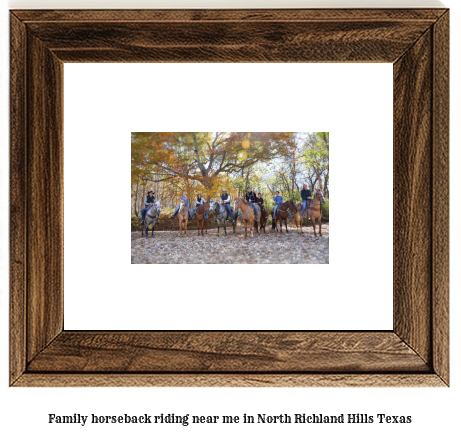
<point x="319" y="179"/>
<point x="326" y="192"/>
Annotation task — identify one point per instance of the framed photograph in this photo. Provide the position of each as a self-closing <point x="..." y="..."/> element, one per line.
<point x="44" y="43"/>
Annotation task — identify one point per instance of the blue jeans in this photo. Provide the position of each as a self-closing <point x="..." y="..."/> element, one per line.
<point x="304" y="206"/>
<point x="229" y="209"/>
<point x="256" y="209"/>
<point x="143" y="212"/>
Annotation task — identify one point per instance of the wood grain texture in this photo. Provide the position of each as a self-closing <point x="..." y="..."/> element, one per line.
<point x="206" y="15"/>
<point x="326" y="41"/>
<point x="236" y="352"/>
<point x="230" y="380"/>
<point x="44" y="193"/>
<point x="412" y="204"/>
<point x="18" y="235"/>
<point x="414" y="354"/>
<point x="440" y="199"/>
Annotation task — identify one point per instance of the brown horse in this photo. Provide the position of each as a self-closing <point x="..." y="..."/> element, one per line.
<point x="247" y="215"/>
<point x="314" y="212"/>
<point x="263" y="218"/>
<point x="282" y="215"/>
<point x="183" y="216"/>
<point x="297" y="218"/>
<point x="200" y="217"/>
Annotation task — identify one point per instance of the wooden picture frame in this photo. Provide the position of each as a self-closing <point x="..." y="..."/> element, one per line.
<point x="414" y="353"/>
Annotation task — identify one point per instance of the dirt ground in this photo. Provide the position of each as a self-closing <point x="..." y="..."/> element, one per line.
<point x="167" y="247"/>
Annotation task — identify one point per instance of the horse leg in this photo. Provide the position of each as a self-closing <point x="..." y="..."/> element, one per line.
<point x="313" y="224"/>
<point x="185" y="226"/>
<point x="246" y="222"/>
<point x="224" y="225"/>
<point x="153" y="227"/>
<point x="320" y="226"/>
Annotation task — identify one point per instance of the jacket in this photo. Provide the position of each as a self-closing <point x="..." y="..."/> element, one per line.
<point x="251" y="196"/>
<point x="148" y="200"/>
<point x="200" y="202"/>
<point x="305" y="193"/>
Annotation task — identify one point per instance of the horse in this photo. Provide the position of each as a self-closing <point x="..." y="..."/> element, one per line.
<point x="248" y="214"/>
<point x="263" y="218"/>
<point x="282" y="215"/>
<point x="183" y="216"/>
<point x="314" y="212"/>
<point x="221" y="215"/>
<point x="200" y="217"/>
<point x="298" y="217"/>
<point x="151" y="217"/>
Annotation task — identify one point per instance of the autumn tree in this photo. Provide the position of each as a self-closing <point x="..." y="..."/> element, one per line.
<point x="188" y="159"/>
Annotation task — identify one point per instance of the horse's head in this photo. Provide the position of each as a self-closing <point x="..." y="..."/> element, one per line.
<point x="212" y="204"/>
<point x="237" y="203"/>
<point x="182" y="203"/>
<point x="292" y="206"/>
<point x="319" y="196"/>
<point x="157" y="205"/>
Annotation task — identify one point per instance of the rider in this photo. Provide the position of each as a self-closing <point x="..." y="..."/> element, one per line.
<point x="259" y="200"/>
<point x="306" y="196"/>
<point x="183" y="197"/>
<point x="226" y="200"/>
<point x="148" y="203"/>
<point x="251" y="199"/>
<point x="278" y="202"/>
<point x="200" y="202"/>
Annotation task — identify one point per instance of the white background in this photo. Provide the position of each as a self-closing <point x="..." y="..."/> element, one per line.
<point x="434" y="410"/>
<point x="105" y="102"/>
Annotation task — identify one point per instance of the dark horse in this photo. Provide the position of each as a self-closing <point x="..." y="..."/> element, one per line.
<point x="282" y="215"/>
<point x="200" y="218"/>
<point x="263" y="218"/>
